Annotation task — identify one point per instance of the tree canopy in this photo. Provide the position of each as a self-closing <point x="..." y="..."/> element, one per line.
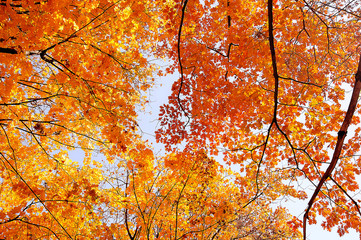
<point x="257" y="115"/>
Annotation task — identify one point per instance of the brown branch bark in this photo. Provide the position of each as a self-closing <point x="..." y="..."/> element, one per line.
<point x="8" y="50"/>
<point x="180" y="58"/>
<point x="340" y="139"/>
<point x="276" y="84"/>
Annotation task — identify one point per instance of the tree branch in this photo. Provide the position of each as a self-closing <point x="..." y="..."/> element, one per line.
<point x="340" y="139"/>
<point x="8" y="50"/>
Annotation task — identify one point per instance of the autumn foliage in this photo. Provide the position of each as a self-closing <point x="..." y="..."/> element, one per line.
<point x="258" y="114"/>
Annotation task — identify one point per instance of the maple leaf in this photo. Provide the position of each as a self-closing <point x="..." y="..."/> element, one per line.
<point x="261" y="82"/>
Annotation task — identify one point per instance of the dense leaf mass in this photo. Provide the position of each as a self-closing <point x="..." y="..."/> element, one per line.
<point x="257" y="115"/>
